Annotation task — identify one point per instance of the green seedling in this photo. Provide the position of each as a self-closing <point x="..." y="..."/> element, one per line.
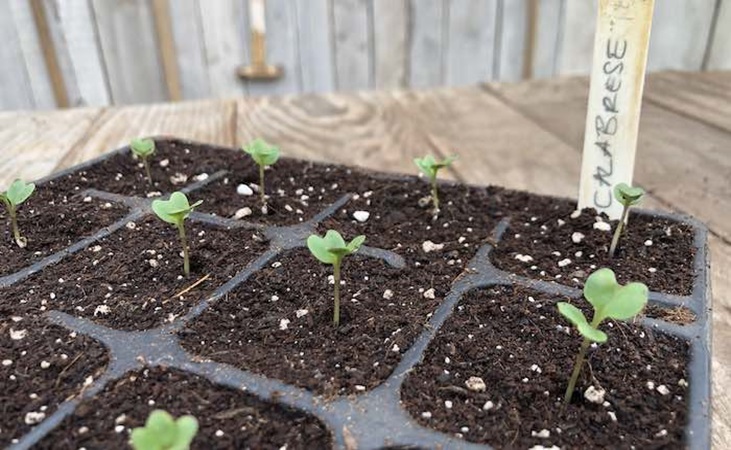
<point x="163" y="432"/>
<point x="430" y="167"/>
<point x="18" y="192"/>
<point x="175" y="211"/>
<point x="610" y="300"/>
<point x="144" y="149"/>
<point x="263" y="155"/>
<point x="331" y="249"/>
<point x="627" y="196"/>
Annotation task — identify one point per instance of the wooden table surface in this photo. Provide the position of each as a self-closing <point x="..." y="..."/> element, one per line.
<point x="524" y="136"/>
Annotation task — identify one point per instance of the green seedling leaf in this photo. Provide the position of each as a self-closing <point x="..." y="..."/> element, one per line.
<point x="18" y="192"/>
<point x="628" y="195"/>
<point x="142" y="147"/>
<point x="576" y="317"/>
<point x="174" y="210"/>
<point x="262" y="153"/>
<point x="430" y="167"/>
<point x="331" y="249"/>
<point x="163" y="432"/>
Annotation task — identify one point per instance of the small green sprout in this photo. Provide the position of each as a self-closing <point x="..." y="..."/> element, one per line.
<point x="430" y="167"/>
<point x="163" y="432"/>
<point x="18" y="192"/>
<point x="610" y="300"/>
<point x="264" y="155"/>
<point x="144" y="149"/>
<point x="331" y="249"/>
<point x="175" y="211"/>
<point x="627" y="196"/>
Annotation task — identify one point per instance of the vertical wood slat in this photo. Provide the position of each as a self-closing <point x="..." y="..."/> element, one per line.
<point x="314" y="42"/>
<point x="168" y="57"/>
<point x="530" y="37"/>
<point x="719" y="53"/>
<point x="127" y="36"/>
<point x="514" y="40"/>
<point x="427" y="32"/>
<point x="549" y="30"/>
<point x="352" y="39"/>
<point x="49" y="54"/>
<point x="74" y="33"/>
<point x="471" y="42"/>
<point x="680" y="32"/>
<point x="390" y="43"/>
<point x="187" y="31"/>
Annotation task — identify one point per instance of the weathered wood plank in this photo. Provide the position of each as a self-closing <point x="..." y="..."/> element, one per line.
<point x="390" y="43"/>
<point x="668" y="150"/>
<point x="353" y="44"/>
<point x="471" y="41"/>
<point x="15" y="88"/>
<point x="224" y="24"/>
<point x="549" y="37"/>
<point x="704" y="96"/>
<point x="427" y="53"/>
<point x="315" y="46"/>
<point x="127" y="36"/>
<point x="34" y="143"/>
<point x="209" y="121"/>
<point x="190" y="48"/>
<point x="71" y="23"/>
<point x="719" y="57"/>
<point x="721" y="376"/>
<point x="513" y="34"/>
<point x="577" y="44"/>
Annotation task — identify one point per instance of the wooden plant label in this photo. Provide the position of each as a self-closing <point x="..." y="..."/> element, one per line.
<point x="615" y="98"/>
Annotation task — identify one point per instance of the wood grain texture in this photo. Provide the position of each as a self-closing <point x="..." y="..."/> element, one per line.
<point x="189" y="44"/>
<point x="548" y="38"/>
<point x="15" y="83"/>
<point x="314" y="40"/>
<point x="577" y="44"/>
<point x="472" y="39"/>
<point x="719" y="57"/>
<point x="127" y="36"/>
<point x="352" y="44"/>
<point x="204" y="121"/>
<point x="41" y="63"/>
<point x="166" y="47"/>
<point x="391" y="43"/>
<point x="512" y="39"/>
<point x="73" y="31"/>
<point x="428" y="36"/>
<point x="224" y="24"/>
<point x="34" y="143"/>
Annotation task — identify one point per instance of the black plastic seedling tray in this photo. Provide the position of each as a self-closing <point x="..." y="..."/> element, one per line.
<point x="376" y="418"/>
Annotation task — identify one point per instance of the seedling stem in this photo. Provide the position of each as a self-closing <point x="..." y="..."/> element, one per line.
<point x="262" y="194"/>
<point x="618" y="231"/>
<point x="186" y="251"/>
<point x="336" y="291"/>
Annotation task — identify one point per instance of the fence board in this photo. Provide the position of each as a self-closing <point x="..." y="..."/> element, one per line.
<point x="471" y="41"/>
<point x="15" y="89"/>
<point x="390" y="43"/>
<point x="719" y="57"/>
<point x="314" y="39"/>
<point x="680" y="34"/>
<point x="427" y="43"/>
<point x="351" y="27"/>
<point x="513" y="34"/>
<point x="190" y="48"/>
<point x="129" y="47"/>
<point x="549" y="35"/>
<point x="577" y="45"/>
<point x="73" y="31"/>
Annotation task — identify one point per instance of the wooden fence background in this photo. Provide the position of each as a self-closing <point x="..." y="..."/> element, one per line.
<point x="100" y="52"/>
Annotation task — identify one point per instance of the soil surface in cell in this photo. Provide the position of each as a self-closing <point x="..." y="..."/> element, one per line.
<point x="518" y="345"/>
<point x="41" y="365"/>
<point x="545" y="242"/>
<point x="174" y="165"/>
<point x="296" y="191"/>
<point x="280" y="322"/>
<point x="133" y="279"/>
<point x="52" y="220"/>
<point x="228" y="418"/>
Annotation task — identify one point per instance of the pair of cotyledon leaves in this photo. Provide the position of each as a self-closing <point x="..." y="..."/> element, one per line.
<point x="628" y="195"/>
<point x="332" y="247"/>
<point x="430" y="166"/>
<point x="609" y="299"/>
<point x="142" y="147"/>
<point x="261" y="152"/>
<point x="18" y="192"/>
<point x="163" y="432"/>
<point x="174" y="210"/>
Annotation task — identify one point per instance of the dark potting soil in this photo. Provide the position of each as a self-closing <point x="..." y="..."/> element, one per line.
<point x="174" y="165"/>
<point x="280" y="322"/>
<point x="517" y="343"/>
<point x="296" y="191"/>
<point x="654" y="251"/>
<point x="52" y="221"/>
<point x="228" y="418"/>
<point x="41" y="365"/>
<point x="133" y="279"/>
